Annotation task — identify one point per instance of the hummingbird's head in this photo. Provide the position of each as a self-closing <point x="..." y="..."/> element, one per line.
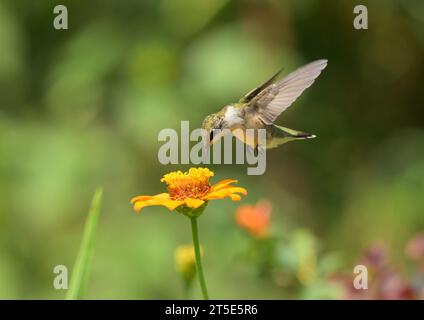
<point x="211" y="125"/>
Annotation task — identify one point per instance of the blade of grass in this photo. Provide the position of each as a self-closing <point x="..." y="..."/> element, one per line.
<point x="81" y="266"/>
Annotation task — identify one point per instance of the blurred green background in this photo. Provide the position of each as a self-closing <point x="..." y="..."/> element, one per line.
<point x="82" y="108"/>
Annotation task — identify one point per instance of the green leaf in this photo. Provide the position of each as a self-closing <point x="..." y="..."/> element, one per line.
<point x="82" y="263"/>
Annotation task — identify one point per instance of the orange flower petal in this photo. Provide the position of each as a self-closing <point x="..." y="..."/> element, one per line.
<point x="159" y="200"/>
<point x="225" y="192"/>
<point x="231" y="189"/>
<point x="144" y="198"/>
<point x="172" y="204"/>
<point x="194" y="203"/>
<point x="234" y="197"/>
<point x="222" y="184"/>
<point x="216" y="195"/>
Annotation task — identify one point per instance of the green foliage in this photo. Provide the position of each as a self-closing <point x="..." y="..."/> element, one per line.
<point x="81" y="268"/>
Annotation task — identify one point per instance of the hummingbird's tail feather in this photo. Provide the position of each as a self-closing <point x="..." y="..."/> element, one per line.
<point x="281" y="135"/>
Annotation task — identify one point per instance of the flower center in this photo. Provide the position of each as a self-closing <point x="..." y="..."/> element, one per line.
<point x="192" y="184"/>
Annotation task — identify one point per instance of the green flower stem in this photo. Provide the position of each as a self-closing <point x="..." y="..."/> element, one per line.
<point x="195" y="233"/>
<point x="187" y="285"/>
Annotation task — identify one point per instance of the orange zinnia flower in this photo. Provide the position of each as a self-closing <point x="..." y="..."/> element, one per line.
<point x="254" y="219"/>
<point x="189" y="190"/>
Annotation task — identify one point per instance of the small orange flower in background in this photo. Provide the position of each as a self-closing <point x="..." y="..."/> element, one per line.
<point x="190" y="190"/>
<point x="255" y="219"/>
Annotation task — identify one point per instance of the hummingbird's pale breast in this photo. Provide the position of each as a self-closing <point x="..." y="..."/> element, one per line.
<point x="233" y="117"/>
<point x="238" y="119"/>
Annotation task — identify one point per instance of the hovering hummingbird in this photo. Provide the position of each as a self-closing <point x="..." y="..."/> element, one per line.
<point x="260" y="107"/>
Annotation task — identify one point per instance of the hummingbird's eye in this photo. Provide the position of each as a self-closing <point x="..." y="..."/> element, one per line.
<point x="211" y="136"/>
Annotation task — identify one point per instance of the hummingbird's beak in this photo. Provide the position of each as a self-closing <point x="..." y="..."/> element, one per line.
<point x="216" y="136"/>
<point x="205" y="148"/>
<point x="206" y="154"/>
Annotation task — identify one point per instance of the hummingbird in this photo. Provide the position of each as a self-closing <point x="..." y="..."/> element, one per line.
<point x="260" y="107"/>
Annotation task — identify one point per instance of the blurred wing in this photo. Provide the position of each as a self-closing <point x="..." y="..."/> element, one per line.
<point x="276" y="98"/>
<point x="253" y="93"/>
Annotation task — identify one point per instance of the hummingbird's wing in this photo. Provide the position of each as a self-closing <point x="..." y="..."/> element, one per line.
<point x="253" y="93"/>
<point x="277" y="97"/>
